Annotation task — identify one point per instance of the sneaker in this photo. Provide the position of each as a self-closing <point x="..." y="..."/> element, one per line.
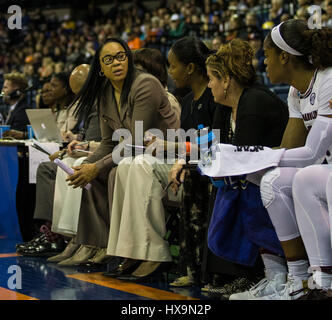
<point x="236" y="286"/>
<point x="265" y="287"/>
<point x="184" y="281"/>
<point x="293" y="289"/>
<point x="317" y="294"/>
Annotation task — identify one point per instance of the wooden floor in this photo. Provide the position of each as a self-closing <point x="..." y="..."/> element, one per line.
<point x="41" y="280"/>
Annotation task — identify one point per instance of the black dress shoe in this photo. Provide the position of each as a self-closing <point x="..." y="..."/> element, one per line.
<point x="39" y="239"/>
<point x="156" y="272"/>
<point x="45" y="249"/>
<point x="126" y="267"/>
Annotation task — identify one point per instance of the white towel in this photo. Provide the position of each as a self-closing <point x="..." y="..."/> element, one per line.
<point x="229" y="160"/>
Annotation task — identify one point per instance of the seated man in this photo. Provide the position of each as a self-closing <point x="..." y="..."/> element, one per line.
<point x="13" y="90"/>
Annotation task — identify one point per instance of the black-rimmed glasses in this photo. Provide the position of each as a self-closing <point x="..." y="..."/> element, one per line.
<point x="120" y="56"/>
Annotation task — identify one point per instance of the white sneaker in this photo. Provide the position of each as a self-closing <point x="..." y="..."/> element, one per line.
<point x="265" y="287"/>
<point x="293" y="289"/>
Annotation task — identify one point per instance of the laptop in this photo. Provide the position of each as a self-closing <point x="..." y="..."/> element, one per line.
<point x="44" y="125"/>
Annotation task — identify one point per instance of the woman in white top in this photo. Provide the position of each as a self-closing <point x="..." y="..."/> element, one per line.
<point x="302" y="58"/>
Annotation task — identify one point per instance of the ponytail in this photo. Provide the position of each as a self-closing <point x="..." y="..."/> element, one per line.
<point x="314" y="44"/>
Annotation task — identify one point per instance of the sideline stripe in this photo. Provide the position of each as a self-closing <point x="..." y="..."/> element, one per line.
<point x="129" y="287"/>
<point x="8" y="255"/>
<point x="6" y="294"/>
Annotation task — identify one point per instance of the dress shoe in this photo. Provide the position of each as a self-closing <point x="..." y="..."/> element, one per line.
<point x="82" y="255"/>
<point x="71" y="248"/>
<point x="39" y="239"/>
<point x="98" y="259"/>
<point x="126" y="267"/>
<point x="146" y="271"/>
<point x="44" y="249"/>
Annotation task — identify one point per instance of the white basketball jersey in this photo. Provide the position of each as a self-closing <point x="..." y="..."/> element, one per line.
<point x="314" y="102"/>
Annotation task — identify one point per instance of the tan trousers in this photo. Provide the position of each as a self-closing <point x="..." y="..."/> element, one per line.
<point x="137" y="220"/>
<point x="67" y="202"/>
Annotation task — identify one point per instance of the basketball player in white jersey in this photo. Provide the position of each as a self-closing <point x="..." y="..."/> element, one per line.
<point x="302" y="58"/>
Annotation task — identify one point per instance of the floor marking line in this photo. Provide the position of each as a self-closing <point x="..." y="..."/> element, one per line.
<point x="8" y="255"/>
<point x="129" y="287"/>
<point x="6" y="294"/>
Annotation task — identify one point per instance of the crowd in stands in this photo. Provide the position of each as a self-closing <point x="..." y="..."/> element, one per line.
<point x="48" y="44"/>
<point x="214" y="49"/>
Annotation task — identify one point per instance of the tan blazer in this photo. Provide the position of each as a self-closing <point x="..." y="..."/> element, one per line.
<point x="147" y="102"/>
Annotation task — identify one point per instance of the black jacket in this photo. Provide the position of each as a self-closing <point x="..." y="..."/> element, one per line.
<point x="18" y="119"/>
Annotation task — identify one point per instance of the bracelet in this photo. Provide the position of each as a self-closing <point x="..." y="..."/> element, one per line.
<point x="188" y="147"/>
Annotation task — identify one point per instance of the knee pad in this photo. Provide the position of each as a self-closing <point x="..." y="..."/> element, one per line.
<point x="267" y="188"/>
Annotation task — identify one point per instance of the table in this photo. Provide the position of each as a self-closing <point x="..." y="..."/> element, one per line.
<point x="17" y="196"/>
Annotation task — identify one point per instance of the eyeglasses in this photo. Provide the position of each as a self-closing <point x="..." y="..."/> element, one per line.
<point x="120" y="56"/>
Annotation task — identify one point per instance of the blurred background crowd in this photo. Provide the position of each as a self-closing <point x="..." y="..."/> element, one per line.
<point x="62" y="35"/>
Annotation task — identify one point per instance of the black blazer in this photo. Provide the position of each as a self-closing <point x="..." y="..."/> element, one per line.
<point x="18" y="119"/>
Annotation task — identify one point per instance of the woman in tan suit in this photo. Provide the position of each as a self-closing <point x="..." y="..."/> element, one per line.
<point x="124" y="96"/>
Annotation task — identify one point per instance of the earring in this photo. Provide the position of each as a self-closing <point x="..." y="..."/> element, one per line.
<point x="225" y="93"/>
<point x="101" y="73"/>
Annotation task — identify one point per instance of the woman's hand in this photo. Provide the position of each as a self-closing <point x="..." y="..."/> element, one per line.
<point x="177" y="175"/>
<point x="68" y="136"/>
<point x="13" y="134"/>
<point x="73" y="145"/>
<point x="58" y="154"/>
<point x="84" y="173"/>
<point x="157" y="145"/>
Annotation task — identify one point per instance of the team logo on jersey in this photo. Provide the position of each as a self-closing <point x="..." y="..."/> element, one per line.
<point x="312" y="98"/>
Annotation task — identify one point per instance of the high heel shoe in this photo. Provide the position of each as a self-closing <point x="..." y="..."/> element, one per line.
<point x="147" y="271"/>
<point x="126" y="267"/>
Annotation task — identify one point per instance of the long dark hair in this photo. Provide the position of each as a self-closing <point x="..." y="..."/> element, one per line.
<point x="314" y="44"/>
<point x="192" y="50"/>
<point x="94" y="87"/>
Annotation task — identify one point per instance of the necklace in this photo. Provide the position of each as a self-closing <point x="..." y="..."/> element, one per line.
<point x="231" y="129"/>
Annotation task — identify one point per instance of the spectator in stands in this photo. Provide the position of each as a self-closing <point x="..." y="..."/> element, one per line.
<point x="276" y="11"/>
<point x="328" y="16"/>
<point x="256" y="43"/>
<point x="236" y="28"/>
<point x="177" y="27"/>
<point x="46" y="69"/>
<point x="251" y="23"/>
<point x="13" y="89"/>
<point x="217" y="41"/>
<point x="134" y="42"/>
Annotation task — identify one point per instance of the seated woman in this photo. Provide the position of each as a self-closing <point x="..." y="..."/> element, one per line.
<point x="126" y="98"/>
<point x="300" y="57"/>
<point x="258" y="117"/>
<point x="62" y="96"/>
<point x="65" y="216"/>
<point x="45" y="100"/>
<point x="152" y="61"/>
<point x="137" y="207"/>
<point x="62" y="93"/>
